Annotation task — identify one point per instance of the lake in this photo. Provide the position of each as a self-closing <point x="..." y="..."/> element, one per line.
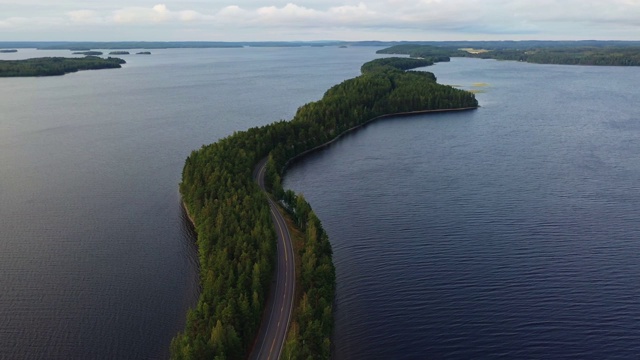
<point x="508" y="232"/>
<point x="96" y="258"/>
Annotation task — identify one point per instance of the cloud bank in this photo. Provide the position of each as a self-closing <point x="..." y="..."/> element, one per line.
<point x="314" y="20"/>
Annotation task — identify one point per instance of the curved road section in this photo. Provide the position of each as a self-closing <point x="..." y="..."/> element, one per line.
<point x="279" y="305"/>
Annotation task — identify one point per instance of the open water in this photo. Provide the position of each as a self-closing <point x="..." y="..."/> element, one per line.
<point x="509" y="232"/>
<point x="96" y="258"/>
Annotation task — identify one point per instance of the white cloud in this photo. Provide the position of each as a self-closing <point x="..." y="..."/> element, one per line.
<point x="160" y="13"/>
<point x="290" y="14"/>
<point x="231" y="10"/>
<point x="85" y="17"/>
<point x="12" y="22"/>
<point x="41" y="23"/>
<point x="190" y="15"/>
<point x="316" y="19"/>
<point x="296" y="16"/>
<point x="157" y="14"/>
<point x="141" y="15"/>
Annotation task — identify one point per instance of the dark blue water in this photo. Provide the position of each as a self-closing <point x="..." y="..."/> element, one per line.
<point x="508" y="232"/>
<point x="96" y="258"/>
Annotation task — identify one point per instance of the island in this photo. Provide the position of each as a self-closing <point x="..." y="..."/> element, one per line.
<point x="236" y="237"/>
<point x="119" y="52"/>
<point x="565" y="53"/>
<point x="51" y="66"/>
<point x="8" y="51"/>
<point x="88" y="53"/>
<point x="144" y="53"/>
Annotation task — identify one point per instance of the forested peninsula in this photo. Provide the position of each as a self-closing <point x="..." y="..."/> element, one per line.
<point x="88" y="53"/>
<point x="569" y="54"/>
<point x="51" y="66"/>
<point x="236" y="237"/>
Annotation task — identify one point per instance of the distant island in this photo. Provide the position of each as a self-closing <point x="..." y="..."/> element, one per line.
<point x="88" y="53"/>
<point x="539" y="53"/>
<point x="52" y="66"/>
<point x="119" y="53"/>
<point x="8" y="51"/>
<point x="144" y="53"/>
<point x="125" y="45"/>
<point x="495" y="46"/>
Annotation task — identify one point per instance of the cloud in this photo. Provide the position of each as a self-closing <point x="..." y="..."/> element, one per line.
<point x="346" y="19"/>
<point x="12" y="22"/>
<point x="157" y="14"/>
<point x="426" y="15"/>
<point x="296" y="16"/>
<point x="231" y="10"/>
<point x="85" y="17"/>
<point x="140" y="15"/>
<point x="33" y="23"/>
<point x="287" y="13"/>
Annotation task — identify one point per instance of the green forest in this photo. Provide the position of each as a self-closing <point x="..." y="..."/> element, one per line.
<point x="236" y="238"/>
<point x="52" y="66"/>
<point x="612" y="55"/>
<point x="88" y="53"/>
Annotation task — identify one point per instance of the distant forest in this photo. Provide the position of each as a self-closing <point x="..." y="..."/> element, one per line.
<point x="491" y="45"/>
<point x="612" y="54"/>
<point x="51" y="66"/>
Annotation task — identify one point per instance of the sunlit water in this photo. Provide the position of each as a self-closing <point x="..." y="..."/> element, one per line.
<point x="96" y="258"/>
<point x="508" y="232"/>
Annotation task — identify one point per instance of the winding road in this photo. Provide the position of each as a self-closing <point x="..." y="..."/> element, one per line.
<point x="279" y="306"/>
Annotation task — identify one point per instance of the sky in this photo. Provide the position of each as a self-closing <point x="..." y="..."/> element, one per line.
<point x="300" y="20"/>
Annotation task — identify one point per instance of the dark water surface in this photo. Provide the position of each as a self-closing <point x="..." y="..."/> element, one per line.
<point x="96" y="259"/>
<point x="508" y="232"/>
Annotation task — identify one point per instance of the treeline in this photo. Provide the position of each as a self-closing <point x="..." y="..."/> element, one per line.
<point x="610" y="56"/>
<point x="236" y="246"/>
<point x="490" y="45"/>
<point x="617" y="55"/>
<point x="437" y="53"/>
<point x="395" y="64"/>
<point x="382" y="89"/>
<point x="51" y="66"/>
<point x="236" y="239"/>
<point x="309" y="336"/>
<point x="88" y="53"/>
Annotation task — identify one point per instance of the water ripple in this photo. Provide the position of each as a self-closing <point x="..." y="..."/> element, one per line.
<point x="508" y="233"/>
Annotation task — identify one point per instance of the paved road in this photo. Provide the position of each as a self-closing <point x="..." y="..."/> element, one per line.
<point x="279" y="307"/>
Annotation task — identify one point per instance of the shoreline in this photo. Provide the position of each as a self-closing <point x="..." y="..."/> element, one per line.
<point x="298" y="158"/>
<point x="186" y="211"/>
<point x="284" y="143"/>
<point x="406" y="113"/>
<point x="301" y="155"/>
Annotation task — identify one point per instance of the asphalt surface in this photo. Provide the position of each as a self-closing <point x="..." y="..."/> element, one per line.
<point x="279" y="306"/>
